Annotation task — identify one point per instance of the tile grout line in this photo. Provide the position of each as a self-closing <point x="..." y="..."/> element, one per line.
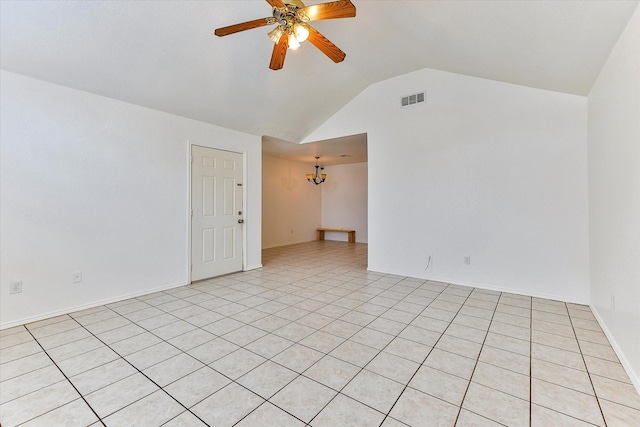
<point x="66" y="378"/>
<point x="271" y="358"/>
<point x="427" y="356"/>
<point x="162" y="339"/>
<point x="379" y="351"/>
<point x="595" y="394"/>
<point x="232" y="381"/>
<point x="166" y="312"/>
<point x="531" y="364"/>
<point x="324" y="354"/>
<point x="138" y="370"/>
<point x="561" y="385"/>
<point x="342" y="287"/>
<point x="267" y="359"/>
<point x="347" y="339"/>
<point x="464" y="396"/>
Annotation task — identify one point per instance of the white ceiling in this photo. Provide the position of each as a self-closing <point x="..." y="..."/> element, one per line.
<point x="336" y="151"/>
<point x="163" y="54"/>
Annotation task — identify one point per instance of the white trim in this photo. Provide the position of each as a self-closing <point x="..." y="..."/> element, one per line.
<point x="633" y="376"/>
<point x="488" y="287"/>
<point x="297" y="242"/>
<point x="245" y="179"/>
<point x="50" y="314"/>
<point x="190" y="208"/>
<point x="253" y="267"/>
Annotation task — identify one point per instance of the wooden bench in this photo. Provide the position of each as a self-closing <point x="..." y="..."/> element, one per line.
<point x="352" y="233"/>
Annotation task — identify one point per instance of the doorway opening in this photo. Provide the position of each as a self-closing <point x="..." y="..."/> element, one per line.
<point x="293" y="209"/>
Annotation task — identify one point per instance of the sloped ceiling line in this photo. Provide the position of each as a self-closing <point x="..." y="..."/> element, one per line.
<point x="163" y="55"/>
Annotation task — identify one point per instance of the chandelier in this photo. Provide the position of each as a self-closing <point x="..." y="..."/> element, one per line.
<point x="317" y="178"/>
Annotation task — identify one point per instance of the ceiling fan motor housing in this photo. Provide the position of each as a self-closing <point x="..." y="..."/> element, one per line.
<point x="289" y="15"/>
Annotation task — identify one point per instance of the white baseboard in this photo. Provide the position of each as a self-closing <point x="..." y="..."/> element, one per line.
<point x="633" y="376"/>
<point x="279" y="245"/>
<point x="68" y="310"/>
<point x="542" y="295"/>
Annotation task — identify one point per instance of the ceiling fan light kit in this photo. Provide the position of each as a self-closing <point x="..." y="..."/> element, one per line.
<point x="292" y="17"/>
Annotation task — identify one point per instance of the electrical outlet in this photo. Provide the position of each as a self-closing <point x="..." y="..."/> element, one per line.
<point x="15" y="287"/>
<point x="467" y="260"/>
<point x="76" y="277"/>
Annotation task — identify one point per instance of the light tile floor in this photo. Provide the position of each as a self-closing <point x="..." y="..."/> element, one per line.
<point x="314" y="339"/>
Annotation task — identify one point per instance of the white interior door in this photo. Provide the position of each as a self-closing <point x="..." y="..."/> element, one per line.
<point x="216" y="212"/>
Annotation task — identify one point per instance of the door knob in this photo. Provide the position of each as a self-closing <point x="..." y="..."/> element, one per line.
<point x="240" y="221"/>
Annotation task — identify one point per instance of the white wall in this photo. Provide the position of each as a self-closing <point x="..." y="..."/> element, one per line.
<point x="291" y="206"/>
<point x="614" y="196"/>
<point x="344" y="201"/>
<point x="94" y="184"/>
<point x="490" y="170"/>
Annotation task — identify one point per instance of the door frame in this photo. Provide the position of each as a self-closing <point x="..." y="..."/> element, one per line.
<point x="189" y="205"/>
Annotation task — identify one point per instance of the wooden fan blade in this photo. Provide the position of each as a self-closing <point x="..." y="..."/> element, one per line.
<point x="322" y="43"/>
<point x="279" y="52"/>
<point x="225" y="31"/>
<point x="276" y="3"/>
<point x="332" y="10"/>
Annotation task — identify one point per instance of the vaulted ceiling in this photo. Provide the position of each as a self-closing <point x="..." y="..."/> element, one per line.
<point x="163" y="54"/>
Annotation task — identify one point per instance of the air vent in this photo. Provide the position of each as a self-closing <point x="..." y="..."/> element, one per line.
<point x="416" y="98"/>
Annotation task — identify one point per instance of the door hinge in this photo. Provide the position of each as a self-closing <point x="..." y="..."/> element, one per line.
<point x="239" y="184"/>
<point x="191" y="213"/>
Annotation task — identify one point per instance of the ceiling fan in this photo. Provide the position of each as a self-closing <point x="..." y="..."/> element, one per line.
<point x="292" y="18"/>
